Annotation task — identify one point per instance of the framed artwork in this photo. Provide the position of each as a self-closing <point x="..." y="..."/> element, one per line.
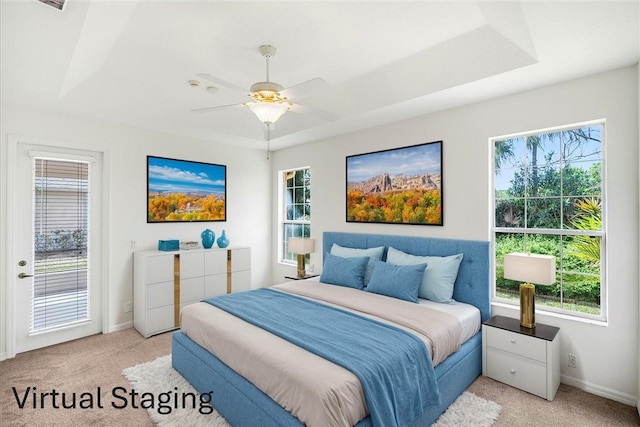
<point x="185" y="191"/>
<point x="396" y="186"/>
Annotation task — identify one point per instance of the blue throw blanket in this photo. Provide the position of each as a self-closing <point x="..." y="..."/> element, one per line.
<point x="393" y="366"/>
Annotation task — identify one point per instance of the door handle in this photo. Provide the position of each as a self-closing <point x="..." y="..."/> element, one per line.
<point x="24" y="275"/>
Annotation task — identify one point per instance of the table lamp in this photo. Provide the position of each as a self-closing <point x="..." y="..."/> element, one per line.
<point x="532" y="269"/>
<point x="300" y="246"/>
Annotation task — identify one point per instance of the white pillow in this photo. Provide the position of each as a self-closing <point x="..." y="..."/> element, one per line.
<point x="439" y="276"/>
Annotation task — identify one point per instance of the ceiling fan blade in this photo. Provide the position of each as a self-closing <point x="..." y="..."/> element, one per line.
<point x="304" y="89"/>
<point x="219" y="107"/>
<point x="314" y="112"/>
<point x="224" y="83"/>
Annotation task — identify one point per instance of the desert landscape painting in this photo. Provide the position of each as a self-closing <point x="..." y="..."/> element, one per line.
<point x="402" y="185"/>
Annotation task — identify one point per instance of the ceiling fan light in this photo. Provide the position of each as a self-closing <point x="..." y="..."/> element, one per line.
<point x="269" y="112"/>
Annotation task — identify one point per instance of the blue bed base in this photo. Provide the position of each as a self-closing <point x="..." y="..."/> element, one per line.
<point x="244" y="405"/>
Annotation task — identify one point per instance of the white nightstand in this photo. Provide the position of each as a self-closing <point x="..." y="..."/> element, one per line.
<point x="528" y="359"/>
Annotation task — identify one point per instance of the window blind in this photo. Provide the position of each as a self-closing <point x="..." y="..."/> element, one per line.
<point x="61" y="234"/>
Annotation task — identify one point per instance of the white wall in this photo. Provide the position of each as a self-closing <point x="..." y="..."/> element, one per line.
<point x="248" y="196"/>
<point x="607" y="354"/>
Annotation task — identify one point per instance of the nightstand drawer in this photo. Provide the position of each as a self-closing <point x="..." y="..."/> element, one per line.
<point x="522" y="345"/>
<point x="520" y="372"/>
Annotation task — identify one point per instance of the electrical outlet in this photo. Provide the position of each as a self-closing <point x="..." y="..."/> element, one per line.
<point x="127" y="307"/>
<point x="572" y="361"/>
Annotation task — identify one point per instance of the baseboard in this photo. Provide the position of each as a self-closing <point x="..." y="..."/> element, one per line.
<point x="605" y="392"/>
<point x="121" y="326"/>
<point x="3" y="356"/>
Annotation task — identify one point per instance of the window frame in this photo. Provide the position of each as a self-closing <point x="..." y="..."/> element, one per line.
<point x="560" y="232"/>
<point x="285" y="257"/>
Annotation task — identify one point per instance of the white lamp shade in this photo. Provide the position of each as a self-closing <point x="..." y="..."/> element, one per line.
<point x="533" y="268"/>
<point x="300" y="245"/>
<point x="269" y="112"/>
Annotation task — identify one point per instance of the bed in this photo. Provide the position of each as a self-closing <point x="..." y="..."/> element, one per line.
<point x="244" y="404"/>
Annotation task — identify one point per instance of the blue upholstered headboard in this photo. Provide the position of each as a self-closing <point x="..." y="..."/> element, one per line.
<point x="473" y="283"/>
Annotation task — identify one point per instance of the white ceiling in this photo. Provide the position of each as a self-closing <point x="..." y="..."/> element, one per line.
<point x="130" y="61"/>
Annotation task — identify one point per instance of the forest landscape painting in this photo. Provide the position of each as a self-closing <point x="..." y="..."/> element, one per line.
<point x="185" y="191"/>
<point x="401" y="185"/>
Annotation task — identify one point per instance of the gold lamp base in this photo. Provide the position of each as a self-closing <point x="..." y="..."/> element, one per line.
<point x="301" y="270"/>
<point x="527" y="305"/>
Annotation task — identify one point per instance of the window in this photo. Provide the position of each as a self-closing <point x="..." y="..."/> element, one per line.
<point x="61" y="231"/>
<point x="549" y="199"/>
<point x="296" y="208"/>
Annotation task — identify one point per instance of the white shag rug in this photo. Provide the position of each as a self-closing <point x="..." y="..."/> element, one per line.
<point x="158" y="377"/>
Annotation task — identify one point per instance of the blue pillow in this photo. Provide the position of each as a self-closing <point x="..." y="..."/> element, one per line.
<point x="373" y="254"/>
<point x="439" y="276"/>
<point x="344" y="271"/>
<point x="397" y="281"/>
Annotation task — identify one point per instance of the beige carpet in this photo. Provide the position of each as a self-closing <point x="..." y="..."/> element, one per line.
<point x="85" y="365"/>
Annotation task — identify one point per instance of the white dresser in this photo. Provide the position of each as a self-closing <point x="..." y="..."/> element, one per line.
<point x="525" y="358"/>
<point x="165" y="282"/>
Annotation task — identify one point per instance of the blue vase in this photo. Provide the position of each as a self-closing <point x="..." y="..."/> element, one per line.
<point x="208" y="238"/>
<point x="223" y="242"/>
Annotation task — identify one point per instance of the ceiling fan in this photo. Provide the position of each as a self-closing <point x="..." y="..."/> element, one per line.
<point x="269" y="100"/>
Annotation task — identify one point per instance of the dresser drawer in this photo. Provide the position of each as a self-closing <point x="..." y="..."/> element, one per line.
<point x="160" y="319"/>
<point x="215" y="262"/>
<point x="517" y="371"/>
<point x="191" y="265"/>
<point x="519" y="344"/>
<point x="192" y="289"/>
<point x="214" y="285"/>
<point x="159" y="268"/>
<point x="159" y="294"/>
<point x="241" y="259"/>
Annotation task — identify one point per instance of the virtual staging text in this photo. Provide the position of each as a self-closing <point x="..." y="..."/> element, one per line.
<point x="119" y="398"/>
